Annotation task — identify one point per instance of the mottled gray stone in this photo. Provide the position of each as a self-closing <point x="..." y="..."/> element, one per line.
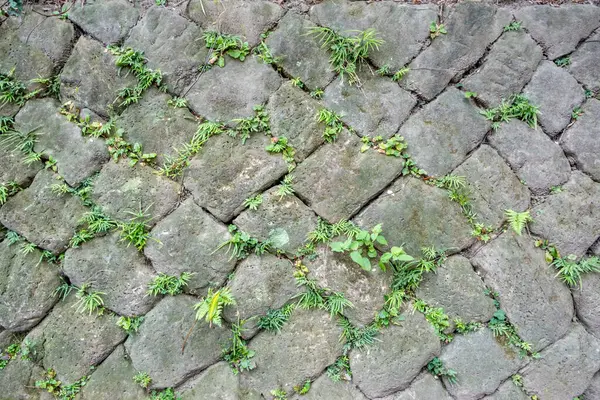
<point x="481" y="364"/>
<point x="157" y="348"/>
<point x="508" y="391"/>
<point x="424" y="216"/>
<point x="77" y="157"/>
<point x="441" y="134"/>
<point x="230" y="92"/>
<point x="286" y="216"/>
<point x="8" y="109"/>
<point x="90" y="77"/>
<point x="25" y="289"/>
<point x="121" y="190"/>
<point x="584" y="61"/>
<point x="325" y="388"/>
<point x="28" y="61"/>
<point x="471" y="27"/>
<point x="493" y="186"/>
<point x="106" y="20"/>
<point x="570" y="219"/>
<point x="425" y="386"/>
<point x="587" y="302"/>
<point x="593" y="391"/>
<point x="348" y="171"/>
<point x="185" y="241"/>
<point x="581" y="140"/>
<point x="559" y="29"/>
<point x="556" y="93"/>
<point x="397" y="359"/>
<point x="218" y="382"/>
<point x="534" y="300"/>
<point x="566" y="368"/>
<point x="508" y="67"/>
<point x="13" y="169"/>
<point x="18" y="378"/>
<point x="42" y="217"/>
<point x="595" y="249"/>
<point x="534" y="157"/>
<point x="227" y="172"/>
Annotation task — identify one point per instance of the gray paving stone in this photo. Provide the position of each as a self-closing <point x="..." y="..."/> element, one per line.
<point x="216" y="383"/>
<point x="441" y="134"/>
<point x="18" y="380"/>
<point x="593" y="391"/>
<point x="584" y="61"/>
<point x="13" y="169"/>
<point x="581" y="139"/>
<point x="425" y="386"/>
<point x="587" y="302"/>
<point x="325" y="388"/>
<point x="28" y="61"/>
<point x="106" y="20"/>
<point x="9" y="109"/>
<point x="508" y="391"/>
<point x="535" y="301"/>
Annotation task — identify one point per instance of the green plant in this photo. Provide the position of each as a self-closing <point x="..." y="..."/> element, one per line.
<point x="51" y="85"/>
<point x="21" y="142"/>
<point x="409" y="274"/>
<point x="563" y="61"/>
<point x="264" y="54"/>
<point x="501" y="327"/>
<point x="274" y="320"/>
<point x="130" y="325"/>
<point x="80" y="237"/>
<point x="177" y="102"/>
<point x="394" y="146"/>
<point x="221" y="44"/>
<point x="241" y="244"/>
<point x="436" y="29"/>
<point x="436" y="317"/>
<point x="333" y="124"/>
<point x="390" y="313"/>
<point x="469" y="95"/>
<point x="6" y="124"/>
<point x="252" y="203"/>
<point x="513" y="26"/>
<point x="136" y="230"/>
<point x="518" y="106"/>
<point x="466" y="327"/>
<point x="576" y="113"/>
<point x="285" y="186"/>
<point x="552" y="252"/>
<point x="63" y="290"/>
<point x="361" y="246"/>
<point x="246" y="126"/>
<point x="297" y="82"/>
<point x="436" y="368"/>
<point x="160" y="2"/>
<point x="482" y="232"/>
<point x="313" y="296"/>
<point x="89" y="301"/>
<point x="119" y="147"/>
<point x="570" y="271"/>
<point x="303" y="388"/>
<point x="97" y="221"/>
<point x="49" y="382"/>
<point x="279" y="394"/>
<point x="211" y="307"/>
<point x="142" y="379"/>
<point x="15" y="8"/>
<point x="146" y="77"/>
<point x="317" y="93"/>
<point x="280" y="145"/>
<point x="13" y="90"/>
<point x="63" y="13"/>
<point x="340" y="369"/>
<point x="517" y="380"/>
<point x="517" y="220"/>
<point x="10" y="189"/>
<point x="10" y="353"/>
<point x="354" y="337"/>
<point x="556" y="189"/>
<point x="169" y="285"/>
<point x="384" y="70"/>
<point x="401" y="73"/>
<point x="336" y="302"/>
<point x="165" y="394"/>
<point x="237" y="354"/>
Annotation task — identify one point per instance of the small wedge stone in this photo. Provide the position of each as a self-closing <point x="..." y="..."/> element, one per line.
<point x="217" y="382"/>
<point x="583" y="62"/>
<point x="581" y="139"/>
<point x="425" y="386"/>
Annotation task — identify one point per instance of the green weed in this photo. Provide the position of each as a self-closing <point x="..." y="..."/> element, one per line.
<point x="517" y="380"/>
<point x="469" y="95"/>
<point x="467" y="327"/>
<point x="400" y="74"/>
<point x="518" y="106"/>
<point x="340" y="369"/>
<point x="317" y="93"/>
<point x="241" y="244"/>
<point x="63" y="290"/>
<point x="252" y="203"/>
<point x="356" y="338"/>
<point x="285" y="186"/>
<point x="142" y="379"/>
<point x="408" y="274"/>
<point x="7" y="190"/>
<point x="436" y="368"/>
<point x="56" y="387"/>
<point x="279" y="394"/>
<point x="576" y="113"/>
<point x="563" y="61"/>
<point x="436" y="317"/>
<point x="384" y="70"/>
<point x="390" y="313"/>
<point x="10" y="353"/>
<point x="130" y="325"/>
<point x="482" y="232"/>
<point x="13" y="90"/>
<point x="237" y="354"/>
<point x="501" y="327"/>
<point x="222" y="44"/>
<point x="333" y="124"/>
<point x="14" y="9"/>
<point x="303" y="388"/>
<point x="552" y="252"/>
<point x="274" y="320"/>
<point x="247" y="126"/>
<point x="361" y="246"/>
<point x="394" y="146"/>
<point x="513" y="26"/>
<point x="164" y="284"/>
<point x="136" y="230"/>
<point x="280" y="145"/>
<point x="264" y="54"/>
<point x="517" y="220"/>
<point x="570" y="271"/>
<point x="211" y="307"/>
<point x="177" y="102"/>
<point x="89" y="301"/>
<point x="6" y="124"/>
<point x="165" y="394"/>
<point x="297" y="82"/>
<point x="436" y="29"/>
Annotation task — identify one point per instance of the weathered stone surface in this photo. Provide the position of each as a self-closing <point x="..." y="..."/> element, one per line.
<point x="71" y="342"/>
<point x="534" y="300"/>
<point x="425" y="386"/>
<point x="557" y="93"/>
<point x="571" y="219"/>
<point x="508" y="67"/>
<point x="286" y="216"/>
<point x="13" y="169"/>
<point x="349" y="171"/>
<point x="245" y="18"/>
<point x="18" y="378"/>
<point x="293" y="115"/>
<point x="471" y="28"/>
<point x="458" y="290"/>
<point x="559" y="30"/>
<point x="309" y="338"/>
<point x="397" y="359"/>
<point x="106" y="20"/>
<point x="77" y="157"/>
<point x="508" y="391"/>
<point x="186" y="241"/>
<point x="566" y="368"/>
<point x="8" y="109"/>
<point x="492" y="185"/>
<point x="157" y="348"/>
<point x="581" y="139"/>
<point x="300" y="55"/>
<point x="440" y="135"/>
<point x="587" y="302"/>
<point x="113" y="379"/>
<point x="28" y="61"/>
<point x="25" y="289"/>
<point x="160" y="128"/>
<point x="227" y="172"/>
<point x="584" y="61"/>
<point x="90" y="77"/>
<point x="325" y="388"/>
<point x="401" y="27"/>
<point x="377" y="107"/>
<point x="481" y="364"/>
<point x="593" y="391"/>
<point x="216" y="383"/>
<point x="42" y="217"/>
<point x="121" y="190"/>
<point x="424" y="216"/>
<point x="163" y="33"/>
<point x="534" y="157"/>
<point x="232" y="91"/>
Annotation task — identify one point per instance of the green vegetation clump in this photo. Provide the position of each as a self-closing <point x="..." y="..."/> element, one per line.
<point x="436" y="367"/>
<point x="518" y="106"/>
<point x="211" y="306"/>
<point x="221" y="44"/>
<point x="170" y="285"/>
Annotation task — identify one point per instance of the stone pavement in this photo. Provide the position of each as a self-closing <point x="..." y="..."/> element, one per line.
<point x="154" y="155"/>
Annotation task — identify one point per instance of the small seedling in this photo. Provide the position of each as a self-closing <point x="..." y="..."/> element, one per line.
<point x="279" y="394"/>
<point x="467" y="327"/>
<point x="469" y="95"/>
<point x="252" y="203"/>
<point x="401" y="73"/>
<point x="169" y="285"/>
<point x="165" y="394"/>
<point x="237" y="354"/>
<point x="518" y="220"/>
<point x="354" y="337"/>
<point x="160" y="2"/>
<point x="242" y="244"/>
<point x="130" y="325"/>
<point x="297" y="83"/>
<point x="570" y="271"/>
<point x="177" y="102"/>
<point x="361" y="246"/>
<point x="394" y="146"/>
<point x="333" y="124"/>
<point x="89" y="301"/>
<point x="517" y="380"/>
<point x="436" y="368"/>
<point x="482" y="232"/>
<point x="263" y="52"/>
<point x="285" y="186"/>
<point x="513" y="26"/>
<point x="222" y="44"/>
<point x="258" y="123"/>
<point x="280" y="145"/>
<point x="142" y="379"/>
<point x="563" y="61"/>
<point x="317" y="93"/>
<point x="211" y="307"/>
<point x="556" y="189"/>
<point x="436" y="29"/>
<point x="384" y="70"/>
<point x="274" y="320"/>
<point x="436" y="317"/>
<point x="303" y="388"/>
<point x="576" y="113"/>
<point x="518" y="106"/>
<point x="340" y="370"/>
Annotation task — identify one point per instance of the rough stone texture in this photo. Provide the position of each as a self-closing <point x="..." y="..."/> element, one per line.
<point x="216" y="383"/>
<point x="458" y="290"/>
<point x="157" y="348"/>
<point x="534" y="157"/>
<point x="481" y="364"/>
<point x="587" y="303"/>
<point x="425" y="386"/>
<point x="593" y="391"/>
<point x="584" y="61"/>
<point x="508" y="67"/>
<point x="394" y="362"/>
<point x="13" y="169"/>
<point x="42" y="217"/>
<point x="471" y="28"/>
<point x="230" y="92"/>
<point x="106" y="20"/>
<point x="160" y="128"/>
<point x="566" y="368"/>
<point x="423" y="216"/>
<point x="535" y="301"/>
<point x="441" y="134"/>
<point x="559" y="30"/>
<point x="300" y="55"/>
<point x="493" y="186"/>
<point x="113" y="379"/>
<point x="571" y="219"/>
<point x="90" y="77"/>
<point x="581" y="140"/>
<point x="25" y="289"/>
<point x="377" y="107"/>
<point x="245" y="18"/>
<point x="227" y="172"/>
<point x="186" y="241"/>
<point x="163" y="33"/>
<point x="325" y="388"/>
<point x="28" y="61"/>
<point x="348" y="171"/>
<point x="18" y="378"/>
<point x="508" y="391"/>
<point x="77" y="157"/>
<point x="556" y="93"/>
<point x="121" y="190"/>
<point x="305" y="346"/>
<point x="402" y="40"/>
<point x="286" y="216"/>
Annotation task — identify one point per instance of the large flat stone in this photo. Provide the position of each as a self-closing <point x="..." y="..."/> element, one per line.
<point x="325" y="388"/>
<point x="584" y="61"/>
<point x="587" y="302"/>
<point x="581" y="139"/>
<point x="216" y="383"/>
<point x="28" y="61"/>
<point x="106" y="20"/>
<point x="425" y="386"/>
